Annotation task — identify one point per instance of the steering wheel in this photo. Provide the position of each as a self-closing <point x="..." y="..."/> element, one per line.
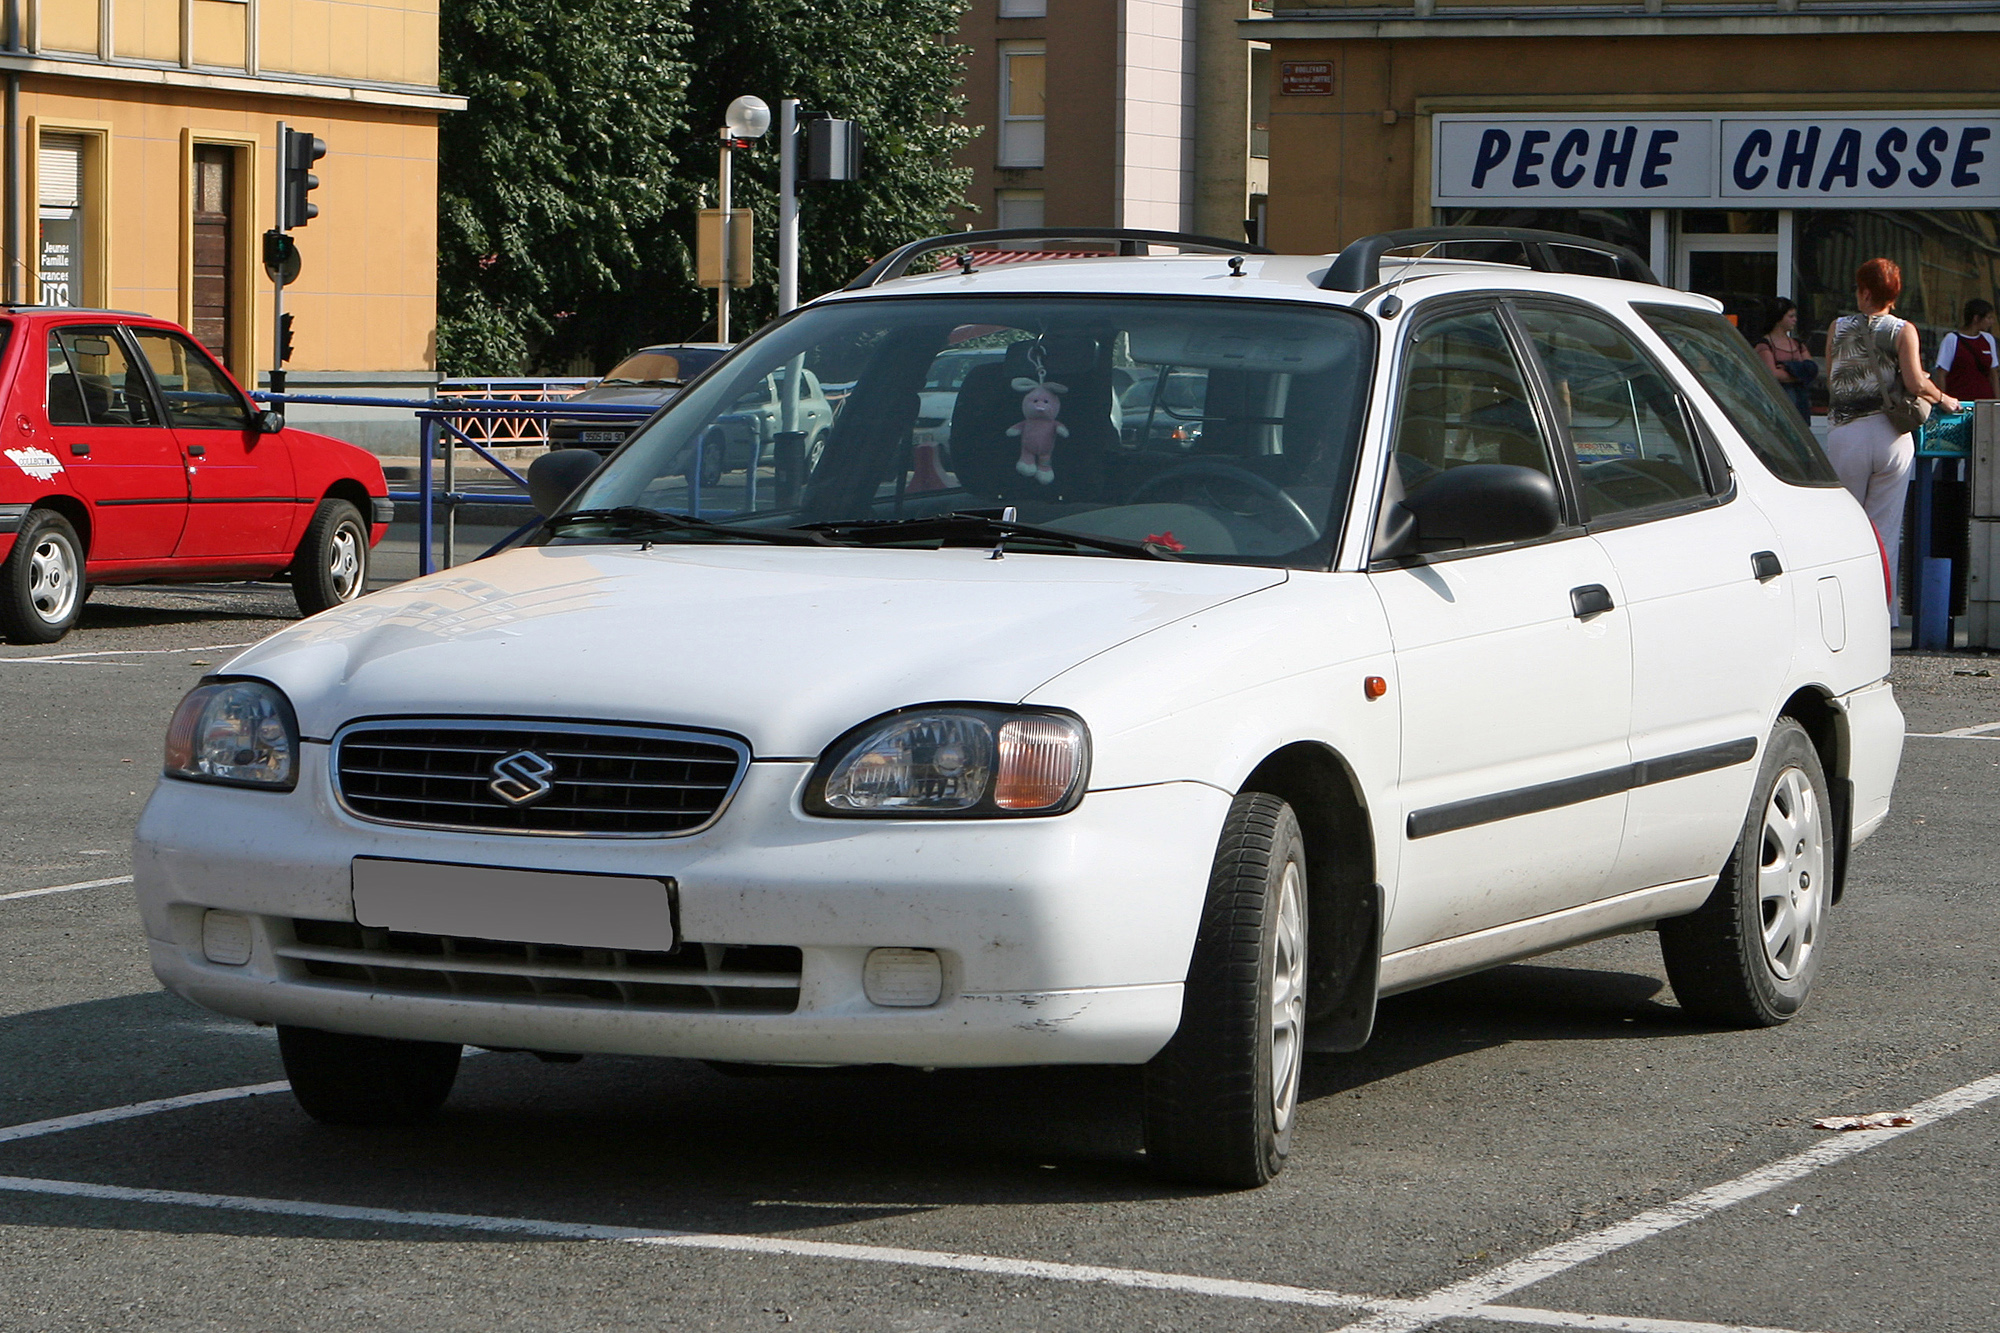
<point x="1206" y="481"/>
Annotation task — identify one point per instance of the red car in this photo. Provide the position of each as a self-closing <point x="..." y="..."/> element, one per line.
<point x="128" y="455"/>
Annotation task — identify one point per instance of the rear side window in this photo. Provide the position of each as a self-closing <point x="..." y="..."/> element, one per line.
<point x="1710" y="346"/>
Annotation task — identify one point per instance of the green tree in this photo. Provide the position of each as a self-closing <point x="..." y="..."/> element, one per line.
<point x="568" y="222"/>
<point x="562" y="159"/>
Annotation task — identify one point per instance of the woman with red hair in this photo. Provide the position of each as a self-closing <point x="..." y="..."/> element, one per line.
<point x="1875" y="358"/>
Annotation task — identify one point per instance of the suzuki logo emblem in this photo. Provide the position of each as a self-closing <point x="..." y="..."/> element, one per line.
<point x="522" y="778"/>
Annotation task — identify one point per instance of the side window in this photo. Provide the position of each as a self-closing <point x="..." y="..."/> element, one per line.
<point x="92" y="383"/>
<point x="1465" y="400"/>
<point x="1635" y="446"/>
<point x="196" y="393"/>
<point x="1709" y="346"/>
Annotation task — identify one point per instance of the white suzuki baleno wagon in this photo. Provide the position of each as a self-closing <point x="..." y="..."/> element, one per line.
<point x="1256" y="636"/>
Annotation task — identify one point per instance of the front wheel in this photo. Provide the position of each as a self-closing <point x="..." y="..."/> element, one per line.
<point x="41" y="585"/>
<point x="331" y="567"/>
<point x="342" y="1079"/>
<point x="1222" y="1097"/>
<point x="1748" y="956"/>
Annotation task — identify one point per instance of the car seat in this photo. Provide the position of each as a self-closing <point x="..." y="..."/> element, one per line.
<point x="983" y="454"/>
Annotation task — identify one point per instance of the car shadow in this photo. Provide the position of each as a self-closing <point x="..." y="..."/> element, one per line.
<point x="675" y="1143"/>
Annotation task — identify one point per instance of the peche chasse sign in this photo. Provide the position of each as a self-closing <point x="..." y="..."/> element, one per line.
<point x="1676" y="160"/>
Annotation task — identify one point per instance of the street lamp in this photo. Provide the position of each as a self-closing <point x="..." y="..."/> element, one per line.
<point x="747" y="118"/>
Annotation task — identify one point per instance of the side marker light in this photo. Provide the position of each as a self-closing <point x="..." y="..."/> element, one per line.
<point x="1374" y="687"/>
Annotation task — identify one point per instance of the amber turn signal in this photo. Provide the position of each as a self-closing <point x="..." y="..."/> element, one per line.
<point x="1374" y="686"/>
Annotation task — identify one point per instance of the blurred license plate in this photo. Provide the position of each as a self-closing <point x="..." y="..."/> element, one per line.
<point x="601" y="436"/>
<point x="531" y="906"/>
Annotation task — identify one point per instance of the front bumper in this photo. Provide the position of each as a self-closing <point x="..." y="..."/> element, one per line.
<point x="1063" y="940"/>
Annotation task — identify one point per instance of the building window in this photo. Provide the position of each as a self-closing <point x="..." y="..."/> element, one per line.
<point x="1024" y="9"/>
<point x="1021" y="105"/>
<point x="1260" y="101"/>
<point x="1018" y="208"/>
<point x="59" y="264"/>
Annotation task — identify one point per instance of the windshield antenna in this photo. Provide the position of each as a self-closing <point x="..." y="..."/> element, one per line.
<point x="1007" y="515"/>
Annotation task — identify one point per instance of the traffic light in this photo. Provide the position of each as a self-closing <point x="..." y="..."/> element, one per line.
<point x="284" y="337"/>
<point x="298" y="152"/>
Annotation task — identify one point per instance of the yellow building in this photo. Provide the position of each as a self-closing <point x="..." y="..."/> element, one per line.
<point x="141" y="173"/>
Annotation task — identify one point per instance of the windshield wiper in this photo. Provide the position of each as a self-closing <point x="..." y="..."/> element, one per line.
<point x="636" y="521"/>
<point x="944" y="527"/>
<point x="622" y="380"/>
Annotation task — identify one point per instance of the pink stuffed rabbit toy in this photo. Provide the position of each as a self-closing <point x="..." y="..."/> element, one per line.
<point x="1038" y="428"/>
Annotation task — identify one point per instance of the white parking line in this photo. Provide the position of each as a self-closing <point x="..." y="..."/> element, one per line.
<point x="1978" y="733"/>
<point x="1513" y="1314"/>
<point x="1468" y="1296"/>
<point x="34" y="1129"/>
<point x="66" y="888"/>
<point x="124" y="652"/>
<point x="1473" y="1298"/>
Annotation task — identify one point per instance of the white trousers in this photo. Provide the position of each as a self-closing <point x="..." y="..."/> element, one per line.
<point x="1873" y="463"/>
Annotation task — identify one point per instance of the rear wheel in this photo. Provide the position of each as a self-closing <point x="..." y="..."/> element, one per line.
<point x="41" y="584"/>
<point x="1222" y="1097"/>
<point x="342" y="1079"/>
<point x="331" y="567"/>
<point x="1748" y="957"/>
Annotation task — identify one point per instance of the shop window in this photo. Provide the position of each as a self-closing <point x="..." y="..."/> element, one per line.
<point x="1629" y="227"/>
<point x="60" y="254"/>
<point x="1022" y="105"/>
<point x="1018" y="208"/>
<point x="1260" y="101"/>
<point x="1722" y="222"/>
<point x="1633" y="444"/>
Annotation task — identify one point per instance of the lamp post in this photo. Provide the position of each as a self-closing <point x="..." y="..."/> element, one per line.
<point x="747" y="118"/>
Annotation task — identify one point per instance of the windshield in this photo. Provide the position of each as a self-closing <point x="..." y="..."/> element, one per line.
<point x="655" y="365"/>
<point x="1206" y="429"/>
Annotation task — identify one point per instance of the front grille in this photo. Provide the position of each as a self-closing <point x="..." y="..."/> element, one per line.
<point x="694" y="978"/>
<point x="599" y="781"/>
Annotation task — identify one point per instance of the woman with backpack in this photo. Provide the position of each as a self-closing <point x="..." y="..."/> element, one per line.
<point x="1969" y="358"/>
<point x="1878" y="394"/>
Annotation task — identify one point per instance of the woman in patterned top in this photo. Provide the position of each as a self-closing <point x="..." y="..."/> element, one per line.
<point x="1870" y="455"/>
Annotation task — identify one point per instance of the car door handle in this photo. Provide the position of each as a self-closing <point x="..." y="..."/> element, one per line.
<point x="197" y="451"/>
<point x="1592" y="599"/>
<point x="1766" y="566"/>
<point x="79" y="450"/>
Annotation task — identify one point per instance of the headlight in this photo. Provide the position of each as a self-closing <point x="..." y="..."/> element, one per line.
<point x="239" y="732"/>
<point x="963" y="762"/>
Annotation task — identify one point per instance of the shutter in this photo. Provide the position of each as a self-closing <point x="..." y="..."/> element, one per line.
<point x="61" y="171"/>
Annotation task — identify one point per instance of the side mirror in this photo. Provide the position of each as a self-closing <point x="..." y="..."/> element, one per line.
<point x="554" y="476"/>
<point x="270" y="423"/>
<point x="1479" y="504"/>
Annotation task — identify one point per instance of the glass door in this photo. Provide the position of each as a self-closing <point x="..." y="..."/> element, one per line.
<point x="1734" y="257"/>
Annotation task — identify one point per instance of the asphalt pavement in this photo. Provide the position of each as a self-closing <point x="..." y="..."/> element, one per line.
<point x="1551" y="1144"/>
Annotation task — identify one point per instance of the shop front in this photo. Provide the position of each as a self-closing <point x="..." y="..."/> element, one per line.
<point x="1750" y="152"/>
<point x="1747" y="207"/>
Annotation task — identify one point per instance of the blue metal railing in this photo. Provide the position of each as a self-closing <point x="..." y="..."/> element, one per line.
<point x="439" y="421"/>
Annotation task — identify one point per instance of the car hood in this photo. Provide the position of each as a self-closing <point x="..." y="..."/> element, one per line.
<point x="786" y="647"/>
<point x="634" y="395"/>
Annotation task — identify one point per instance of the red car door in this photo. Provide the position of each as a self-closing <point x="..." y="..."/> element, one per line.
<point x="240" y="485"/>
<point x="108" y="433"/>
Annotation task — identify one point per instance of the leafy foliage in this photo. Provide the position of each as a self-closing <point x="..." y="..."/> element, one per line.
<point x="564" y="154"/>
<point x="569" y="209"/>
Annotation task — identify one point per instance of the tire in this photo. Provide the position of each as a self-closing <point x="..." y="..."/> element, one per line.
<point x="1222" y="1097"/>
<point x="41" y="584"/>
<point x="340" y="1079"/>
<point x="1748" y="956"/>
<point x="331" y="567"/>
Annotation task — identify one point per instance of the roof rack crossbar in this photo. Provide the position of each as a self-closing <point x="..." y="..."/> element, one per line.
<point x="1130" y="242"/>
<point x="1358" y="267"/>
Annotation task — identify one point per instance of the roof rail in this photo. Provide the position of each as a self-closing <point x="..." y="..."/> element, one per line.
<point x="1359" y="265"/>
<point x="1130" y="242"/>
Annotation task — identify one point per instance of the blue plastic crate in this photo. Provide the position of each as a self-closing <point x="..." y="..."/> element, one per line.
<point x="1946" y="435"/>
